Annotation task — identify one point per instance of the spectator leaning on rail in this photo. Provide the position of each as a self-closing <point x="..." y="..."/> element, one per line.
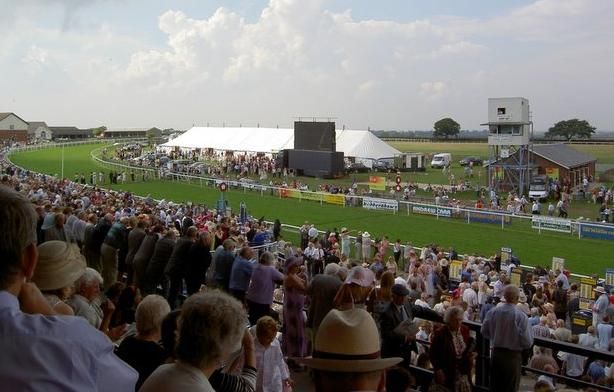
<point x="83" y="358"/>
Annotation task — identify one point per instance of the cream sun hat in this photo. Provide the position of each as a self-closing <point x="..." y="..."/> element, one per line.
<point x="59" y="265"/>
<point x="348" y="341"/>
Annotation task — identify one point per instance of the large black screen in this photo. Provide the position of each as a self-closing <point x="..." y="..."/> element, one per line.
<point x="311" y="135"/>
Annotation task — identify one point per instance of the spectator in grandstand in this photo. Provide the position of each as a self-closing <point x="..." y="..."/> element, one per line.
<point x="561" y="332"/>
<point x="396" y="343"/>
<point x="600" y="306"/>
<point x="220" y="380"/>
<point x="83" y="358"/>
<point x="346" y="353"/>
<point x="559" y="300"/>
<point x="154" y="274"/>
<point x="273" y="373"/>
<point x="115" y="242"/>
<point x="135" y="239"/>
<point x="321" y="291"/>
<point x="294" y="342"/>
<point x="260" y="291"/>
<point x="199" y="261"/>
<point x="175" y="270"/>
<point x="85" y="301"/>
<point x="452" y="352"/>
<point x="241" y="273"/>
<point x="605" y="332"/>
<point x="508" y="331"/>
<point x="59" y="266"/>
<point x="543" y="357"/>
<point x="573" y="363"/>
<point x="223" y="264"/>
<point x="380" y="297"/>
<point x="57" y="232"/>
<point x="143" y="351"/>
<point x="143" y="255"/>
<point x="211" y="328"/>
<point x="355" y="289"/>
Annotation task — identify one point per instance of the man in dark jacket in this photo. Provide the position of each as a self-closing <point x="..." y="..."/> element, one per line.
<point x="115" y="243"/>
<point x="199" y="260"/>
<point x="135" y="238"/>
<point x="154" y="275"/>
<point x="223" y="265"/>
<point x="175" y="269"/>
<point x="395" y="343"/>
<point x="100" y="232"/>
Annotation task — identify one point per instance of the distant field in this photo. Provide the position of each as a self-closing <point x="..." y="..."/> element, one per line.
<point x="582" y="255"/>
<point x="603" y="153"/>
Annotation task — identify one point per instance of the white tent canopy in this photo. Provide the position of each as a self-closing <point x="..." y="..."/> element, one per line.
<point x="357" y="144"/>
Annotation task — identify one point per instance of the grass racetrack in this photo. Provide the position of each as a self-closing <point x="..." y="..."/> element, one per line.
<point x="585" y="256"/>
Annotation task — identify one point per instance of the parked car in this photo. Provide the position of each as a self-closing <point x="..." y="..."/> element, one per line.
<point x="538" y="188"/>
<point x="356" y="167"/>
<point x="381" y="165"/>
<point x="466" y="161"/>
<point x="441" y="160"/>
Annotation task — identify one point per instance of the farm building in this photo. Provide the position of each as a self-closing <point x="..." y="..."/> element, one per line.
<point x="13" y="128"/>
<point x="560" y="161"/>
<point x="70" y="133"/>
<point x="132" y="133"/>
<point x="563" y="161"/>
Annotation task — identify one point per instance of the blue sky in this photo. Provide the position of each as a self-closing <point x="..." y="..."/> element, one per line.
<point x="380" y="64"/>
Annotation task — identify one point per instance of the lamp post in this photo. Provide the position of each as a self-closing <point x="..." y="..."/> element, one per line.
<point x="62" y="162"/>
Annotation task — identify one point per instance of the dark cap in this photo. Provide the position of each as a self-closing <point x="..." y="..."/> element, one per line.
<point x="399" y="289"/>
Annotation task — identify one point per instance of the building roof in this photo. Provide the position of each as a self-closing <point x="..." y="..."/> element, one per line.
<point x="69" y="131"/>
<point x="5" y="115"/>
<point x="562" y="154"/>
<point x="33" y="125"/>
<point x="127" y="130"/>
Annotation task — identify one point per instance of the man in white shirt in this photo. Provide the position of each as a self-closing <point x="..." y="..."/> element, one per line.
<point x="41" y="351"/>
<point x="470" y="295"/>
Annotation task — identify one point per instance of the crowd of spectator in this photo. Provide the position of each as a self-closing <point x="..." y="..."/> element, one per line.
<point x="160" y="295"/>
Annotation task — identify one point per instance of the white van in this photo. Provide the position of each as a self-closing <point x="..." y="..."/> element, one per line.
<point x="441" y="160"/>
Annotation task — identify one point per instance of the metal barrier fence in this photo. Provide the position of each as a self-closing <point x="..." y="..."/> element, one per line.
<point x="576" y="227"/>
<point x="483" y="365"/>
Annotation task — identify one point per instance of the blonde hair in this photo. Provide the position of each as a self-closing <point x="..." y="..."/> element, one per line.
<point x="266" y="327"/>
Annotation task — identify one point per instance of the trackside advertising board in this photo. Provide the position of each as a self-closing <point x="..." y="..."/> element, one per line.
<point x="432" y="210"/>
<point x="372" y="203"/>
<point x="551" y="224"/>
<point x="601" y="232"/>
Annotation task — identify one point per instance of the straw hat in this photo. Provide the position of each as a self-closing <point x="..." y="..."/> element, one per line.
<point x="599" y="289"/>
<point x="59" y="265"/>
<point x="348" y="341"/>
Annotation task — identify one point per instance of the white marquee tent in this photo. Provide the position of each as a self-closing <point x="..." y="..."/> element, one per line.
<point x="356" y="144"/>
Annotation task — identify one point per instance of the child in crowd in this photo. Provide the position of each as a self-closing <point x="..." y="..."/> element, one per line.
<point x="273" y="374"/>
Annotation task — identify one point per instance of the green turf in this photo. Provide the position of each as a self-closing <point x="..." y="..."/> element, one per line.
<point x="582" y="255"/>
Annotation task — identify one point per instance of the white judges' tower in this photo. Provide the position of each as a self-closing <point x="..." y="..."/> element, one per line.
<point x="509" y="144"/>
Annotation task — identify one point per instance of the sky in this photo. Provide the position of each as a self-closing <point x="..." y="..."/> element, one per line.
<point x="388" y="64"/>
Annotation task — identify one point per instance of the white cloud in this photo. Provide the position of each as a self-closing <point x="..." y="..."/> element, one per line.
<point x="433" y="90"/>
<point x="299" y="58"/>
